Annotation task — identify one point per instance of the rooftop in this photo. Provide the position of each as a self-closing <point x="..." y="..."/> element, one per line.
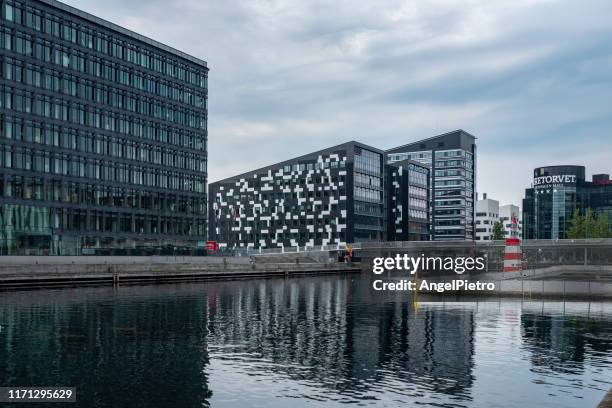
<point x="458" y="132"/>
<point x="121" y="30"/>
<point x="308" y="156"/>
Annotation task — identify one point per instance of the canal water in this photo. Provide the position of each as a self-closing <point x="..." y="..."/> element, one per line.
<point x="303" y="342"/>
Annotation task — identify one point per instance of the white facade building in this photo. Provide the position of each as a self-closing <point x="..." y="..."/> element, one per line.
<point x="487" y="213"/>
<point x="507" y="213"/>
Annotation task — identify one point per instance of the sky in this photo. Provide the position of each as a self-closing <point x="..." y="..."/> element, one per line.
<point x="531" y="79"/>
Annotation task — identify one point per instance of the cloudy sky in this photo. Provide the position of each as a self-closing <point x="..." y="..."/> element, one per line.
<point x="531" y="79"/>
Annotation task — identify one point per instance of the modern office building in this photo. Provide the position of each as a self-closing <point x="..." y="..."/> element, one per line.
<point x="329" y="197"/>
<point x="557" y="191"/>
<point x="487" y="214"/>
<point x="407" y="191"/>
<point x="332" y="196"/>
<point x="103" y="136"/>
<point x="452" y="159"/>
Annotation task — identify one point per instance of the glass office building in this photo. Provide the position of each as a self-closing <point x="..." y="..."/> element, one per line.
<point x="103" y="137"/>
<point x="557" y="192"/>
<point x="407" y="194"/>
<point x="368" y="196"/>
<point x="452" y="160"/>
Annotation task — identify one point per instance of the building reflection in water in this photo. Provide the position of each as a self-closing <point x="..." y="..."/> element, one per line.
<point x="135" y="347"/>
<point x="158" y="345"/>
<point x="561" y="343"/>
<point x="321" y="330"/>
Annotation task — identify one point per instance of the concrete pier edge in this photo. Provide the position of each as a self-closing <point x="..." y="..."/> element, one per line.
<point x="606" y="402"/>
<point x="25" y="272"/>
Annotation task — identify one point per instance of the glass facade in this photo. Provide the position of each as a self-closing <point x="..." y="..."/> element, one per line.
<point x="368" y="195"/>
<point x="557" y="192"/>
<point x="454" y="193"/>
<point x="452" y="160"/>
<point x="554" y="210"/>
<point x="103" y="137"/>
<point x="407" y="201"/>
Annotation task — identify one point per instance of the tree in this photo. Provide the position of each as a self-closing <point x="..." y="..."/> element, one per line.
<point x="576" y="229"/>
<point x="603" y="226"/>
<point x="590" y="225"/>
<point x="498" y="231"/>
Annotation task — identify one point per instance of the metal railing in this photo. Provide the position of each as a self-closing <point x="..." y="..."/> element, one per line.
<point x="535" y="253"/>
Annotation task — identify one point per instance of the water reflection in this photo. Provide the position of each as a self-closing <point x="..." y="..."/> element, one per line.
<point x="305" y="342"/>
<point x="113" y="348"/>
<point x="562" y="344"/>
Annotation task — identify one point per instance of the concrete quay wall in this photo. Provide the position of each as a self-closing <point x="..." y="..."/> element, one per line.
<point x="24" y="271"/>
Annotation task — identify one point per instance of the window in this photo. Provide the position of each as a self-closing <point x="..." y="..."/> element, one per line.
<point x="9" y="12"/>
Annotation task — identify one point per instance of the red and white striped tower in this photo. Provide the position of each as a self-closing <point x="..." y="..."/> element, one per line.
<point x="512" y="255"/>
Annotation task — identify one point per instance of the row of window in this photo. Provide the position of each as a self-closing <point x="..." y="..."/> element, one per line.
<point x="450" y="183"/>
<point x="100" y="71"/>
<point x="233" y="210"/>
<point x="444" y="203"/>
<point x="66" y="29"/>
<point x="230" y="206"/>
<point x="87" y="115"/>
<point x="452" y="163"/>
<point x="418" y="177"/>
<point x="451" y="193"/>
<point x="417" y="156"/>
<point x="450" y="173"/>
<point x="418" y="214"/>
<point x="448" y="212"/>
<point x="418" y="169"/>
<point x="104" y="145"/>
<point x="49" y="220"/>
<point x="366" y="208"/>
<point x="332" y="180"/>
<point x="273" y="222"/>
<point x="449" y="223"/>
<point x="94" y="91"/>
<point x="484" y="214"/>
<point x="361" y="220"/>
<point x="37" y="188"/>
<point x="417" y="191"/>
<point x="320" y="165"/>
<point x="286" y="238"/>
<point x="75" y="166"/>
<point x="66" y="137"/>
<point x="367" y="161"/>
<point x="367" y="194"/>
<point x="367" y="180"/>
<point x="452" y="153"/>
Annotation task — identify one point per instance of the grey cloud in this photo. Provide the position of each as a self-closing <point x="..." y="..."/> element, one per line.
<point x="530" y="78"/>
